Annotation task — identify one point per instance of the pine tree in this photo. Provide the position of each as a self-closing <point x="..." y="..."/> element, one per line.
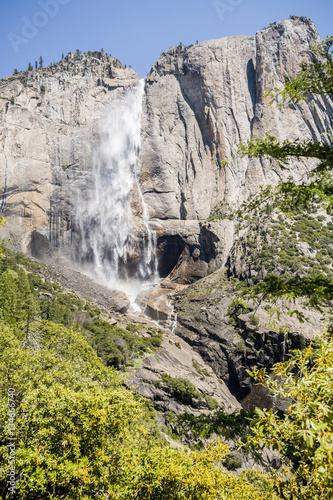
<point x="41" y="60"/>
<point x="30" y="68"/>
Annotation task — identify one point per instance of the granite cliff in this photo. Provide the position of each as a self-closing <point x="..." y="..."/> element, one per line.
<point x="49" y="127"/>
<point x="199" y="103"/>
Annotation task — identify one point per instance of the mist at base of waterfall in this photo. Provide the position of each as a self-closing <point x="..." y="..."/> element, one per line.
<point x="132" y="287"/>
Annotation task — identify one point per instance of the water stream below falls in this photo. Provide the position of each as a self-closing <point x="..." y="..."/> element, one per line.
<point x="117" y="248"/>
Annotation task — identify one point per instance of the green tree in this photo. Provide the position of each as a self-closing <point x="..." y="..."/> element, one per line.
<point x="36" y="64"/>
<point x="314" y="78"/>
<point x="15" y="296"/>
<point x="41" y="60"/>
<point x="83" y="435"/>
<point x="30" y="67"/>
<point x="304" y="435"/>
<point x="15" y="72"/>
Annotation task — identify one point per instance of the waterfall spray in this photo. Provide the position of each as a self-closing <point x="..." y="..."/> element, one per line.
<point x="109" y="244"/>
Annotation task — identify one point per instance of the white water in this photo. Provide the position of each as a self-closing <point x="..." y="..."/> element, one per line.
<point x="108" y="238"/>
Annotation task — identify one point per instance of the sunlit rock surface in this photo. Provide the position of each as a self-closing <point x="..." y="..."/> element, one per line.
<point x="200" y="102"/>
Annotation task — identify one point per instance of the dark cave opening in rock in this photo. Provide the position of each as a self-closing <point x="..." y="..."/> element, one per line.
<point x="169" y="248"/>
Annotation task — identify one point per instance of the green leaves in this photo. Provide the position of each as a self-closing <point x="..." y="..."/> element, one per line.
<point x="282" y="153"/>
<point x="305" y="434"/>
<point x="314" y="77"/>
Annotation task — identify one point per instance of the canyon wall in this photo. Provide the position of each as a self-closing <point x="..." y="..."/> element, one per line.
<point x="200" y="102"/>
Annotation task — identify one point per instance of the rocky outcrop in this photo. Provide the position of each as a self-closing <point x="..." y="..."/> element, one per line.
<point x="234" y="336"/>
<point x="178" y="360"/>
<point x="201" y="102"/>
<point x="48" y="130"/>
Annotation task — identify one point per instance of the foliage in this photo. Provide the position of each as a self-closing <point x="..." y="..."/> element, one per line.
<point x="304" y="436"/>
<point x="182" y="388"/>
<point x="117" y="346"/>
<point x="170" y="474"/>
<point x="79" y="432"/>
<point x="2" y="223"/>
<point x="314" y="78"/>
<point x="72" y="415"/>
<point x="289" y="272"/>
<point x="82" y="435"/>
<point x="200" y="428"/>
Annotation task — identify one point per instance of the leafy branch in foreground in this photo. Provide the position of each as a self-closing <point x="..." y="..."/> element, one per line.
<point x="318" y="290"/>
<point x="314" y="77"/>
<point x="304" y="435"/>
<point x="270" y="147"/>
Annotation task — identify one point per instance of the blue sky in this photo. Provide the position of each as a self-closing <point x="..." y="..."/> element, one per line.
<point x="135" y="31"/>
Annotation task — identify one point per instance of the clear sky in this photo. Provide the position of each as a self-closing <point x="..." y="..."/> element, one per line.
<point x="135" y="31"/>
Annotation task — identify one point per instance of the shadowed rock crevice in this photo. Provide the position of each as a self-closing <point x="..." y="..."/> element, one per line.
<point x="169" y="249"/>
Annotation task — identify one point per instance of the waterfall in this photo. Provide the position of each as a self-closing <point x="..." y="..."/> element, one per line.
<point x="112" y="246"/>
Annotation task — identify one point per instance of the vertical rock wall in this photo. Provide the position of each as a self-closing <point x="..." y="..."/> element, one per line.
<point x="200" y="102"/>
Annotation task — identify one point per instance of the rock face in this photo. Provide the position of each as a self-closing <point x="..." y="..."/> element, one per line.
<point x="48" y="130"/>
<point x="177" y="359"/>
<point x="200" y="102"/>
<point x="232" y="338"/>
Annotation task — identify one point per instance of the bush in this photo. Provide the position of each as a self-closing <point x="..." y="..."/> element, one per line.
<point x="232" y="461"/>
<point x="212" y="404"/>
<point x="182" y="388"/>
<point x="304" y="435"/>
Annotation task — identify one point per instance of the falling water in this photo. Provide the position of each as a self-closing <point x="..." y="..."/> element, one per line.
<point x="109" y="245"/>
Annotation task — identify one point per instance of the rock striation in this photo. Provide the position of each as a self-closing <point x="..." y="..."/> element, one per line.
<point x="201" y="102"/>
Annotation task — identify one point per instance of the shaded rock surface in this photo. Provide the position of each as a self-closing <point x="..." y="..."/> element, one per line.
<point x="232" y="339"/>
<point x="177" y="358"/>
